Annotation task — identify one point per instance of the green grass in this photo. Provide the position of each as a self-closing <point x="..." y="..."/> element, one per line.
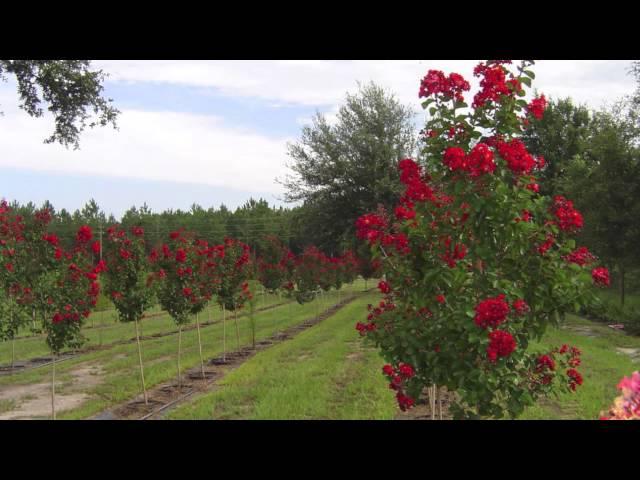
<point x="611" y="295"/>
<point x="108" y="330"/>
<point x="119" y="364"/>
<point x="602" y="368"/>
<point x="323" y="373"/>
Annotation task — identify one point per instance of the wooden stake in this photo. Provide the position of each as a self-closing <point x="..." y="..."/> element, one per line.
<point x="433" y="402"/>
<point x="235" y="319"/>
<point x="224" y="334"/>
<point x="179" y="352"/>
<point x="144" y="388"/>
<point x="53" y="387"/>
<point x="13" y="352"/>
<point x="439" y="403"/>
<point x="200" y="348"/>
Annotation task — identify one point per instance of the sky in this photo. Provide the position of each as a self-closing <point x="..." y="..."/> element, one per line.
<point x="216" y="132"/>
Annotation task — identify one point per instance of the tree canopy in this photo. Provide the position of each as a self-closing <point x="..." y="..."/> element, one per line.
<point x="71" y="89"/>
<point x="344" y="169"/>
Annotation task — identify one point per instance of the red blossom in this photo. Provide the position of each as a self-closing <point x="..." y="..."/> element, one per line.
<point x="491" y="312"/>
<point x="600" y="276"/>
<point x="518" y="159"/>
<point x="501" y="344"/>
<point x="84" y="234"/>
<point x="537" y="107"/>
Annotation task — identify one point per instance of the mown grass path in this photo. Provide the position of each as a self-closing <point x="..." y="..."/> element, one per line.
<point x="326" y="372"/>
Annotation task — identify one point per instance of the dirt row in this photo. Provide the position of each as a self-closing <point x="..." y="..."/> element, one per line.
<point x="422" y="409"/>
<point x="166" y="396"/>
<point x="24" y="365"/>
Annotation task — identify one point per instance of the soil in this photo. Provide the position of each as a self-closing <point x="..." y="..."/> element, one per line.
<point x="422" y="408"/>
<point x="33" y="401"/>
<point x="166" y="396"/>
<point x="634" y="353"/>
<point x="585" y="331"/>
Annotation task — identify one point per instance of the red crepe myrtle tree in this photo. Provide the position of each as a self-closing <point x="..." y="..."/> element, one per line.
<point x="232" y="271"/>
<point x="128" y="280"/>
<point x="14" y="295"/>
<point x="272" y="264"/>
<point x="66" y="295"/>
<point x="184" y="288"/>
<point x="476" y="263"/>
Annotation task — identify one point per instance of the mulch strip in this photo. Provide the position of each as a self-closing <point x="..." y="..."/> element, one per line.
<point x="165" y="396"/>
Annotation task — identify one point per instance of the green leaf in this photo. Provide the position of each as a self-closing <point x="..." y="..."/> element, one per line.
<point x="529" y="74"/>
<point x="526" y="81"/>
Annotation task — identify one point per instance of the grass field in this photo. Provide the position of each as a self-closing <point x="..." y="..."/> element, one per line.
<point x="324" y="373"/>
<point x="105" y="378"/>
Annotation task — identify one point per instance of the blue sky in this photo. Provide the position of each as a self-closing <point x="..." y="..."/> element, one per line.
<point x="214" y="132"/>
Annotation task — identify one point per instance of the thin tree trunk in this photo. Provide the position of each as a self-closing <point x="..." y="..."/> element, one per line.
<point x="235" y="319"/>
<point x="224" y="334"/>
<point x="179" y="352"/>
<point x="144" y="388"/>
<point x="433" y="402"/>
<point x="439" y="403"/>
<point x="53" y="387"/>
<point x="13" y="352"/>
<point x="622" y="284"/>
<point x="200" y="347"/>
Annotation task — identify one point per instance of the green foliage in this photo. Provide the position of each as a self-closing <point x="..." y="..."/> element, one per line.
<point x="70" y="88"/>
<point x="344" y="169"/>
<point x="466" y="245"/>
<point x="127" y="280"/>
<point x="561" y="135"/>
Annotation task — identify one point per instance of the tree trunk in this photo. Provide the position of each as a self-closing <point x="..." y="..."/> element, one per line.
<point x="179" y="352"/>
<point x="235" y="319"/>
<point x="13" y="352"/>
<point x="200" y="348"/>
<point x="144" y="388"/>
<point x="224" y="334"/>
<point x="622" y="285"/>
<point x="53" y="387"/>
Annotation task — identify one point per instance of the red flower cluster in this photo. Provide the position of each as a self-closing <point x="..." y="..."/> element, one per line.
<point x="569" y="219"/>
<point x="600" y="276"/>
<point x="384" y="287"/>
<point x="493" y="84"/>
<point x="580" y="256"/>
<point x="574" y="378"/>
<point x="84" y="234"/>
<point x="477" y="163"/>
<point x="520" y="306"/>
<point x="545" y="362"/>
<point x="537" y="107"/>
<point x="369" y="227"/>
<point x="398" y="377"/>
<point x="52" y="238"/>
<point x="518" y="159"/>
<point x="548" y="243"/>
<point x="416" y="189"/>
<point x="491" y="312"/>
<point x="501" y="344"/>
<point x="453" y="255"/>
<point x="181" y="255"/>
<point x="435" y="82"/>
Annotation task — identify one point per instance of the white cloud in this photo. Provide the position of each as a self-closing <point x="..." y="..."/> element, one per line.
<point x="324" y="83"/>
<point x="178" y="147"/>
